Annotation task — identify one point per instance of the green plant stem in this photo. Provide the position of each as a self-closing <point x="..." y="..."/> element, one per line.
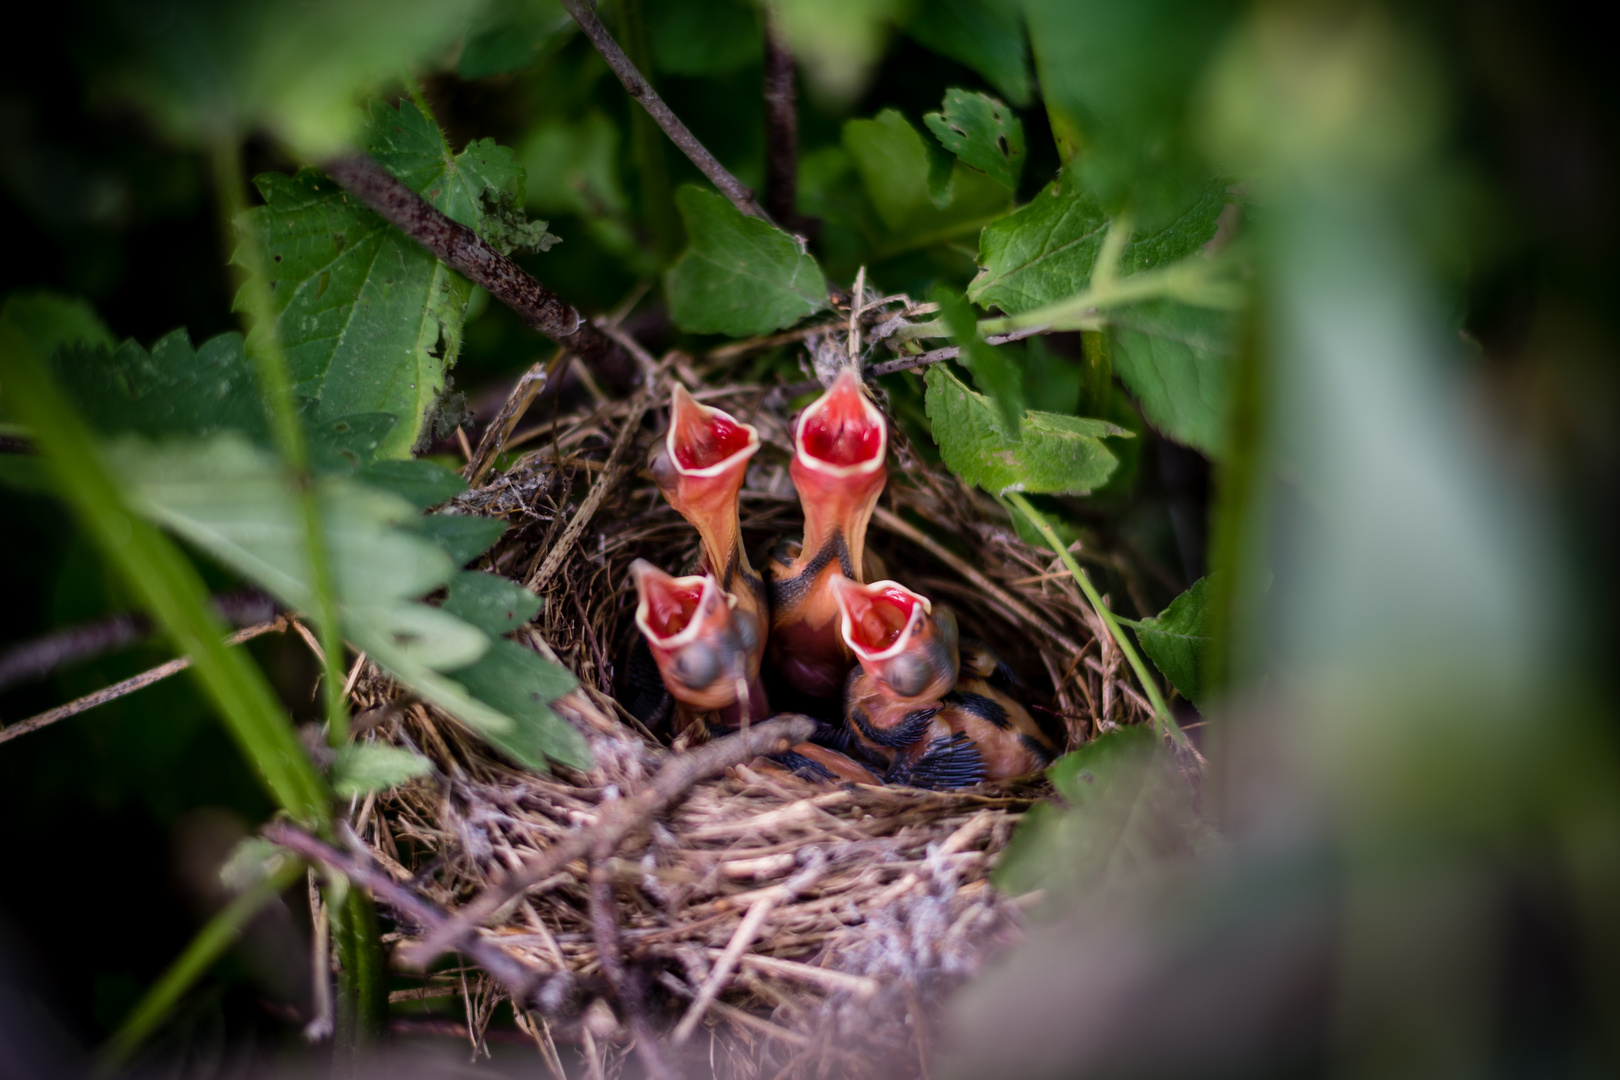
<point x="362" y="998"/>
<point x="276" y="383"/>
<point x="166" y="583"/>
<point x="211" y="941"/>
<point x="1161" y="711"/>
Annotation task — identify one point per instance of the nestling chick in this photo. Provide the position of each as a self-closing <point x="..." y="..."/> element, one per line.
<point x="700" y="467"/>
<point x="700" y="638"/>
<point x="839" y="446"/>
<point x="907" y="646"/>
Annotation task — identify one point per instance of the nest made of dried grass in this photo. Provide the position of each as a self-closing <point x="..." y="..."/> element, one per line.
<point x="864" y="906"/>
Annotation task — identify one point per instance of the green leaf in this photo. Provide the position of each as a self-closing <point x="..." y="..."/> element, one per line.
<point x="740" y="276"/>
<point x="521" y="683"/>
<point x="1177" y="360"/>
<point x="361" y="768"/>
<point x="419" y="482"/>
<point x="703" y="38"/>
<point x="982" y="132"/>
<point x="1127" y="809"/>
<point x="838" y="42"/>
<point x="899" y="168"/>
<point x="1054" y="454"/>
<point x="1177" y="641"/>
<point x="993" y="372"/>
<point x="205" y="70"/>
<point x="483" y="187"/>
<point x="1044" y="251"/>
<point x="494" y="604"/>
<point x="985" y="35"/>
<point x="462" y="536"/>
<point x="54" y="322"/>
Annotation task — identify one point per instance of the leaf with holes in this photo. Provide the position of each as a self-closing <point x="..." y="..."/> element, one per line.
<point x="982" y="132"/>
<point x="740" y="276"/>
<point x="1053" y="454"/>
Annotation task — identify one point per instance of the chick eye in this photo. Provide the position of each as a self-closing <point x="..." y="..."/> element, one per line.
<point x="696" y="666"/>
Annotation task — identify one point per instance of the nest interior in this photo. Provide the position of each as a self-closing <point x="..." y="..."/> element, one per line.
<point x="817" y="926"/>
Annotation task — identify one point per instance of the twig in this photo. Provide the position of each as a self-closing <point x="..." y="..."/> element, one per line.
<point x="460" y="247"/>
<point x="638" y="88"/>
<point x="593" y="499"/>
<point x="615" y="821"/>
<point x="130" y="685"/>
<point x="742" y="940"/>
<point x="520" y="980"/>
<point x="605" y="929"/>
<point x="512" y="409"/>
<point x="907" y="363"/>
<point x="781" y="124"/>
<point x="888" y="519"/>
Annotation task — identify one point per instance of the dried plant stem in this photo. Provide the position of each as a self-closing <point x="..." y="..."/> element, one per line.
<point x="610" y="952"/>
<point x="1150" y="687"/>
<point x="131" y="684"/>
<point x="614" y="822"/>
<point x="638" y="88"/>
<point x="465" y="251"/>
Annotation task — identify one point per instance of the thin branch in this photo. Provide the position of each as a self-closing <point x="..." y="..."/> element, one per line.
<point x="460" y="247"/>
<point x="907" y="363"/>
<point x="638" y="88"/>
<point x="613" y="823"/>
<point x="781" y="124"/>
<point x="520" y="980"/>
<point x="626" y="987"/>
<point x="130" y="685"/>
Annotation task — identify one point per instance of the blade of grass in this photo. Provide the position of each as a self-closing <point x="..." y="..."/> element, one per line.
<point x="166" y="582"/>
<point x="1167" y="723"/>
<point x="211" y="941"/>
<point x="276" y="384"/>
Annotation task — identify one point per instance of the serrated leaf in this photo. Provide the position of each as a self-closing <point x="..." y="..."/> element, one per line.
<point x="522" y="683"/>
<point x="1054" y="454"/>
<point x="1177" y="640"/>
<point x="899" y="168"/>
<point x="1043" y="252"/>
<point x="982" y="132"/>
<point x="419" y="482"/>
<point x="461" y="536"/>
<point x="1177" y="361"/>
<point x="361" y="768"/>
<point x="993" y="371"/>
<point x="985" y="35"/>
<point x="494" y="604"/>
<point x="740" y="276"/>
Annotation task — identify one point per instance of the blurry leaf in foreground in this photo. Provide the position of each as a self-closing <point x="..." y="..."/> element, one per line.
<point x="236" y="503"/>
<point x="520" y="683"/>
<point x="1177" y="360"/>
<point x="52" y="321"/>
<point x="1127" y="807"/>
<point x="420" y="482"/>
<point x="361" y="768"/>
<point x="510" y="35"/>
<point x="463" y="537"/>
<point x="839" y="42"/>
<point x="703" y="38"/>
<point x="993" y="370"/>
<point x="494" y="604"/>
<point x="205" y="70"/>
<point x="1177" y="641"/>
<point x="1054" y="454"/>
<point x="740" y="276"/>
<point x="920" y="192"/>
<point x="982" y="132"/>
<point x="1044" y="251"/>
<point x="986" y="35"/>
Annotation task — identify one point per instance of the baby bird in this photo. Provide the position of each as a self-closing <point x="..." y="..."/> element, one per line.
<point x="817" y="764"/>
<point x="701" y="639"/>
<point x="839" y="447"/>
<point x="700" y="468"/>
<point x="908" y="648"/>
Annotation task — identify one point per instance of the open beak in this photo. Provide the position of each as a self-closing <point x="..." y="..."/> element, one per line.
<point x="839" y="448"/>
<point x="698" y="639"/>
<point x="908" y="648"/>
<point x="700" y="469"/>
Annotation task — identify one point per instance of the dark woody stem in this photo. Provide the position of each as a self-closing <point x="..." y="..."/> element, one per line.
<point x="781" y="125"/>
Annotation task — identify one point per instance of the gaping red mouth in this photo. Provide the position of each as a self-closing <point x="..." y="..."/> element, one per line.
<point x="842" y="430"/>
<point x="706" y="440"/>
<point x="876" y="617"/>
<point x="670" y="606"/>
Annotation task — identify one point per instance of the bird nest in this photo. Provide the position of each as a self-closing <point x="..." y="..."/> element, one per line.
<point x="756" y="922"/>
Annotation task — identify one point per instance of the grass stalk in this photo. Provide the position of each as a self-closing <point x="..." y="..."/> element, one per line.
<point x="1150" y="687"/>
